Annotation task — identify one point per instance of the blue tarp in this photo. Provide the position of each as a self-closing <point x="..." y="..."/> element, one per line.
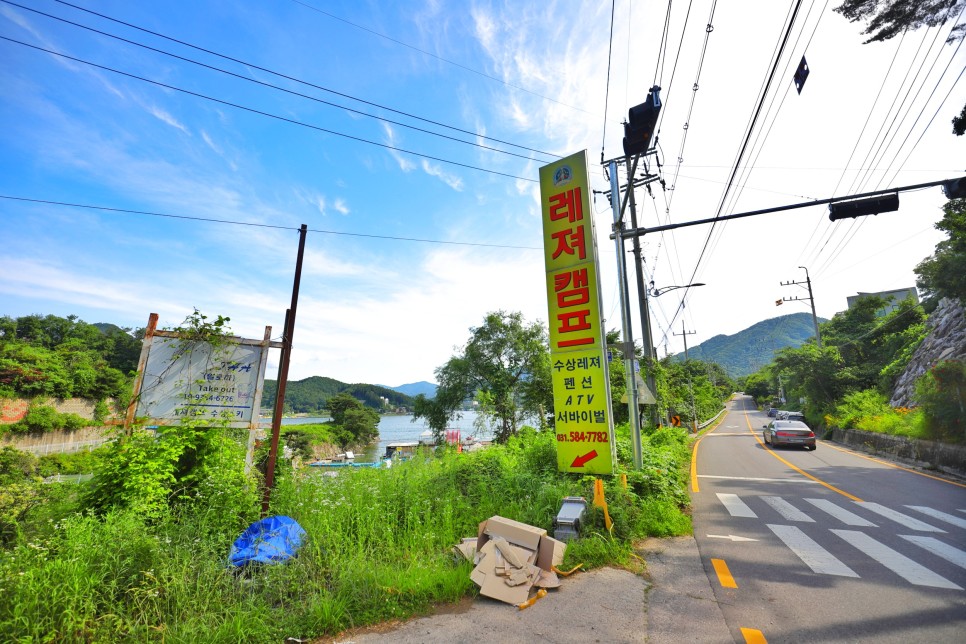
<point x="271" y="540"/>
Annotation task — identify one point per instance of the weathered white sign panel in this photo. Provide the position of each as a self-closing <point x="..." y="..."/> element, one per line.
<point x="186" y="379"/>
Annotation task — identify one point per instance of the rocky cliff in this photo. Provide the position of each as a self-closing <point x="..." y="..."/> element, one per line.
<point x="946" y="341"/>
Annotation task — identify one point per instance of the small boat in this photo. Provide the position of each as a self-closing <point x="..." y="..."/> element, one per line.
<point x="402" y="450"/>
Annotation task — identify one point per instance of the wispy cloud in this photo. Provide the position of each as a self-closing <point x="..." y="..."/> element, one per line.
<point x="454" y="182"/>
<point x="404" y="163"/>
<point x="341" y="206"/>
<point x="165" y="117"/>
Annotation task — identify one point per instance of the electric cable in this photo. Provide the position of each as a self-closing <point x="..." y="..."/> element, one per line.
<point x="432" y="55"/>
<point x="293" y="78"/>
<point x="275" y="87"/>
<point x="268" y="114"/>
<point x="258" y="225"/>
<point x="610" y="51"/>
<point x="744" y="145"/>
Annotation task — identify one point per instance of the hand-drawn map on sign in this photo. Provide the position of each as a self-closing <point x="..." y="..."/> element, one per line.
<point x="190" y="379"/>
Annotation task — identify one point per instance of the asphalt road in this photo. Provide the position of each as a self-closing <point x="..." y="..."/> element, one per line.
<point x="827" y="545"/>
<point x="789" y="546"/>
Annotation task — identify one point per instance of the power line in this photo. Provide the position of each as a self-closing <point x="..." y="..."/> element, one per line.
<point x="257" y="225"/>
<point x="744" y="146"/>
<point x="437" y="57"/>
<point x="275" y="87"/>
<point x="291" y="78"/>
<point x="610" y="51"/>
<point x="268" y="114"/>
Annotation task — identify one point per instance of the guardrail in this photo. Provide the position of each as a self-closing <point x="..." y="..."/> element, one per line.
<point x="714" y="418"/>
<point x="64" y="448"/>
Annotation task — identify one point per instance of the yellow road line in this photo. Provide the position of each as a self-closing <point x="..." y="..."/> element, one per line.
<point x="694" y="466"/>
<point x="797" y="469"/>
<point x="898" y="467"/>
<point x="724" y="575"/>
<point x="753" y="636"/>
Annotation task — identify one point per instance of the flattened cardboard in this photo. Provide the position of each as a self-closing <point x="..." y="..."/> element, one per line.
<point x="528" y="544"/>
<point x="519" y="534"/>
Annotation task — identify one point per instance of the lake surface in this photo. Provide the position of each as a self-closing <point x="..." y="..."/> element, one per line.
<point x="394" y="429"/>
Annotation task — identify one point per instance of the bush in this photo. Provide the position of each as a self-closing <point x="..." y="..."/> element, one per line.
<point x="43" y="418"/>
<point x="942" y="393"/>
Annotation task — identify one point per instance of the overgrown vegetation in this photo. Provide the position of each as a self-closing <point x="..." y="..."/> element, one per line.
<point x="65" y="357"/>
<point x="848" y="381"/>
<point x="378" y="544"/>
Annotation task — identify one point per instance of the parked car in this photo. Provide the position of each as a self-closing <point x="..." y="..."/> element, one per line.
<point x="781" y="414"/>
<point x="795" y="415"/>
<point x="772" y="412"/>
<point x="789" y="432"/>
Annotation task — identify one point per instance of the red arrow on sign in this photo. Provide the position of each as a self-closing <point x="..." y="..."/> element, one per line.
<point x="580" y="461"/>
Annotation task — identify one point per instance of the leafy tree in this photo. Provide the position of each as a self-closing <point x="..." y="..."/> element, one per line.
<point x="941" y="392"/>
<point x="505" y="365"/>
<point x="889" y="18"/>
<point x="358" y="422"/>
<point x="944" y="272"/>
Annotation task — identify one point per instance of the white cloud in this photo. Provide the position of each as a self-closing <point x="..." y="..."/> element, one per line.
<point x="454" y="182"/>
<point x="404" y="163"/>
<point x="340" y="206"/>
<point x="211" y="144"/>
<point x="165" y="117"/>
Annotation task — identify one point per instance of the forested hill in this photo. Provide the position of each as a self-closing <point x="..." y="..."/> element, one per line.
<point x="312" y="394"/>
<point x="747" y="351"/>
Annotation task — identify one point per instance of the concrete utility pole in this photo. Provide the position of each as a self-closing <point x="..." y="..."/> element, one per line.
<point x="811" y="300"/>
<point x="685" y="334"/>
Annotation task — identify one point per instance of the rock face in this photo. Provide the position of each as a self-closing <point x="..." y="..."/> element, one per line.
<point x="946" y="341"/>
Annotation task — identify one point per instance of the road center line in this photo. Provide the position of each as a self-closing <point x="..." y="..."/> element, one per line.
<point x="796" y="468"/>
<point x="724" y="575"/>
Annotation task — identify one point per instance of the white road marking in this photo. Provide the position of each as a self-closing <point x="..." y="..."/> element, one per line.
<point x="756" y="478"/>
<point x="813" y="555"/>
<point x="735" y="506"/>
<point x="786" y="509"/>
<point x="896" y="562"/>
<point x="942" y="516"/>
<point x="840" y="513"/>
<point x="720" y="434"/>
<point x="732" y="537"/>
<point x="937" y="547"/>
<point x="898" y="517"/>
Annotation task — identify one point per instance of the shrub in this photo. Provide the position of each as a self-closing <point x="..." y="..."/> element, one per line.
<point x="43" y="418"/>
<point x="941" y="392"/>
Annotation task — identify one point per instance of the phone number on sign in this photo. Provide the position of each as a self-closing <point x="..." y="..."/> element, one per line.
<point x="582" y="437"/>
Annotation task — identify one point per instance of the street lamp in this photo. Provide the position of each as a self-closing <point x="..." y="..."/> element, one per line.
<point x="657" y="292"/>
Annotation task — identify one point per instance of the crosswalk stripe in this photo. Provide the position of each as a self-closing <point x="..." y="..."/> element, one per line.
<point x="840" y="513"/>
<point x="813" y="555"/>
<point x="898" y="563"/>
<point x="786" y="509"/>
<point x="898" y="517"/>
<point x="937" y="547"/>
<point x="735" y="506"/>
<point x="942" y="516"/>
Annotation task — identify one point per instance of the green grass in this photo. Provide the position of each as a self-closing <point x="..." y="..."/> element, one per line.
<point x="378" y="547"/>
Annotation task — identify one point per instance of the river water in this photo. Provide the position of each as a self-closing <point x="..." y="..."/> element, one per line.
<point x="397" y="428"/>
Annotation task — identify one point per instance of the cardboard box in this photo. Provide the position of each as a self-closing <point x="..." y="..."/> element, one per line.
<point x="512" y="558"/>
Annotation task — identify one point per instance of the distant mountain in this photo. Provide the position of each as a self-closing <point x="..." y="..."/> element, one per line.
<point x="312" y="394"/>
<point x="413" y="389"/>
<point x="748" y="351"/>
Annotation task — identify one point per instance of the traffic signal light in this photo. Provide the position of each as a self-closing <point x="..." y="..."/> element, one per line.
<point x="955" y="188"/>
<point x="641" y="121"/>
<point x="862" y="207"/>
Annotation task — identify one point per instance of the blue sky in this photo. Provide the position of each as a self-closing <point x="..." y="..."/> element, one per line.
<point x="375" y="305"/>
